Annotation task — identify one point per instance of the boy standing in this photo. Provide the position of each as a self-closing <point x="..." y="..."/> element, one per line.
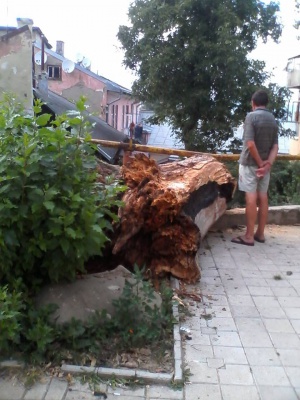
<point x="260" y="148"/>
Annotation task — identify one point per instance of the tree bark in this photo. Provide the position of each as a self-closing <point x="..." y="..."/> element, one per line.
<point x="163" y="205"/>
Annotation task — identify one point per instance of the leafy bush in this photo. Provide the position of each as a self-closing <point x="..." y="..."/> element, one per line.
<point x="284" y="184"/>
<point x="23" y="328"/>
<point x="38" y="332"/>
<point x="11" y="306"/>
<point x="54" y="215"/>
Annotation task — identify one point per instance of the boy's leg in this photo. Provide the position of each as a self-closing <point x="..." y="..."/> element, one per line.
<point x="263" y="208"/>
<point x="251" y="215"/>
<point x="248" y="184"/>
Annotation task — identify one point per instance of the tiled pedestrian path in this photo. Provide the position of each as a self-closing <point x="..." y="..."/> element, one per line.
<point x="246" y="344"/>
<point x="245" y="334"/>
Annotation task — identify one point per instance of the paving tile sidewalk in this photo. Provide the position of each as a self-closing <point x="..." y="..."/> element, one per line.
<point x="245" y="334"/>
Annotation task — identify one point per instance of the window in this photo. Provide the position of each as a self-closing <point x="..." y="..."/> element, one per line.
<point x="112" y="115"/>
<point x="54" y="72"/>
<point x="116" y="117"/>
<point x="127" y="116"/>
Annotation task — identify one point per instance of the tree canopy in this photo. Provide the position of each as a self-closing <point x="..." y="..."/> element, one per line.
<point x="192" y="61"/>
<point x="297" y="20"/>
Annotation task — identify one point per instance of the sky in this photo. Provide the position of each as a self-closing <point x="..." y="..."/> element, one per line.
<point x="90" y="27"/>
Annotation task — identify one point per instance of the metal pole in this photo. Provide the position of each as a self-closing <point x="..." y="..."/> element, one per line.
<point x="178" y="152"/>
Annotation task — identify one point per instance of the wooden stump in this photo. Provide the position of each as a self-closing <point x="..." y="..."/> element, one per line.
<point x="164" y="206"/>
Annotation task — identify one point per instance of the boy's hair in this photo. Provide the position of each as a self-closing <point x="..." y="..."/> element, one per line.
<point x="260" y="98"/>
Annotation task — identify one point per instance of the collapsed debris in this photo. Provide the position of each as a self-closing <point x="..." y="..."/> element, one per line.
<point x="168" y="209"/>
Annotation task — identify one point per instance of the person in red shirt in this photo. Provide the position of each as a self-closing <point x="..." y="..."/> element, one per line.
<point x="131" y="129"/>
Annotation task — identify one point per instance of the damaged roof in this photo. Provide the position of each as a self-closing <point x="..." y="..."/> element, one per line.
<point x="11" y="30"/>
<point x="101" y="130"/>
<point x="110" y="85"/>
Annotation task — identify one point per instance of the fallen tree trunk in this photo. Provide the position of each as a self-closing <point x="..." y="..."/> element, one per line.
<point x="164" y="205"/>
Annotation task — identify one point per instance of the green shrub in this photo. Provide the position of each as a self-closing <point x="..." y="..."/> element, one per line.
<point x="238" y="197"/>
<point x="137" y="322"/>
<point x="11" y="313"/>
<point x="138" y="319"/>
<point x="284" y="184"/>
<point x="38" y="333"/>
<point x="54" y="215"/>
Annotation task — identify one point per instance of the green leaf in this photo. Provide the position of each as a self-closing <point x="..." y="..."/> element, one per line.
<point x="80" y="104"/>
<point x="77" y="198"/>
<point x="75" y="121"/>
<point x="49" y="205"/>
<point x="65" y="245"/>
<point x="37" y="108"/>
<point x="43" y="119"/>
<point x="71" y="232"/>
<point x="10" y="238"/>
<point x="50" y="193"/>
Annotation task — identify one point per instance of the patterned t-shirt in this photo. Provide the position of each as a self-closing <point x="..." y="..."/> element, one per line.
<point x="260" y="127"/>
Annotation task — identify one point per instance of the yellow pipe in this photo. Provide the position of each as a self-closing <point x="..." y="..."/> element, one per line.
<point x="179" y="152"/>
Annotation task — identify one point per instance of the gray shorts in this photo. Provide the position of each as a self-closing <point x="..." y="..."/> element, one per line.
<point x="249" y="182"/>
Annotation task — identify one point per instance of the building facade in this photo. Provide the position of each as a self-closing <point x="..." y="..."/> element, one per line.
<point x="293" y="82"/>
<point x="26" y="52"/>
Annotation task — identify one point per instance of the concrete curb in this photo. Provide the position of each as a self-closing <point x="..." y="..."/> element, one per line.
<point x="122" y="373"/>
<point x="178" y="360"/>
<point x="279" y="215"/>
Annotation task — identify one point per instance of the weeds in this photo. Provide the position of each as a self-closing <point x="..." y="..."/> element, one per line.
<point x="32" y="376"/>
<point x="141" y="319"/>
<point x="186" y="373"/>
<point x="138" y="318"/>
<point x="96" y="382"/>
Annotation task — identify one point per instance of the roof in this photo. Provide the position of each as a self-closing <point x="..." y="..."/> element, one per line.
<point x="101" y="130"/>
<point x="291" y="58"/>
<point x="110" y="85"/>
<point x="13" y="30"/>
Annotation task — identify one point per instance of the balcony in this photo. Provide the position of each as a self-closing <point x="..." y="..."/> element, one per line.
<point x="293" y="73"/>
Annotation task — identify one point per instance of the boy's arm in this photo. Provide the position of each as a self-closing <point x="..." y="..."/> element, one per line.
<point x="254" y="153"/>
<point x="267" y="164"/>
<point x="272" y="155"/>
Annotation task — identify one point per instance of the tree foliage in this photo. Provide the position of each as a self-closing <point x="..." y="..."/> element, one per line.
<point x="193" y="66"/>
<point x="297" y="18"/>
